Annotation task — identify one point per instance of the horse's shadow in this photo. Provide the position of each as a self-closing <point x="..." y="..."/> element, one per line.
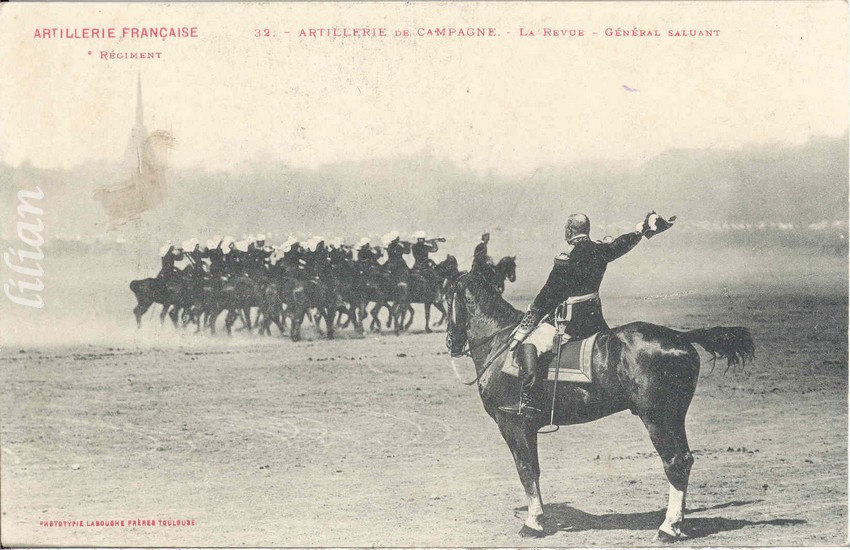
<point x="562" y="517"/>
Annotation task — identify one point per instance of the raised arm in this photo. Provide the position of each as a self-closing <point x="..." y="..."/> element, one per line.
<point x="621" y="245"/>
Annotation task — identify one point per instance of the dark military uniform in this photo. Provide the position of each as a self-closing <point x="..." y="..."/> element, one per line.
<point x="234" y="262"/>
<point x="420" y="251"/>
<point x="395" y="264"/>
<point x="256" y="258"/>
<point x="367" y="259"/>
<point x="294" y="261"/>
<point x="481" y="263"/>
<point x="366" y="255"/>
<point x="168" y="261"/>
<point x="480" y="256"/>
<point x="318" y="263"/>
<point x="337" y="256"/>
<point x="196" y="259"/>
<point x="579" y="273"/>
<point x="574" y="282"/>
<point x="216" y="258"/>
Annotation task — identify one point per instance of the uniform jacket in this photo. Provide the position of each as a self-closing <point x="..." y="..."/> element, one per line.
<point x="421" y="251"/>
<point x="480" y="254"/>
<point x="578" y="272"/>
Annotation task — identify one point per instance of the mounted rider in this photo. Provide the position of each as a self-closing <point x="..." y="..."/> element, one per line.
<point x="481" y="260"/>
<point x="260" y="251"/>
<point x="421" y="250"/>
<point x="318" y="263"/>
<point x="257" y="255"/>
<point x="367" y="257"/>
<point x="423" y="265"/>
<point x="573" y="290"/>
<point x="395" y="265"/>
<point x="337" y="253"/>
<point x="169" y="254"/>
<point x="216" y="256"/>
<point x="192" y="252"/>
<point x="234" y="257"/>
<point x="294" y="262"/>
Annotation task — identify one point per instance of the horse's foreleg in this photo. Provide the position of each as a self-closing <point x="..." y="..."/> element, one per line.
<point x="295" y="324"/>
<point x="354" y="316"/>
<point x="375" y="325"/>
<point x="348" y="320"/>
<point x="427" y="316"/>
<point x="669" y="438"/>
<point x="329" y="319"/>
<point x="214" y="313"/>
<point x="247" y="313"/>
<point x="229" y="319"/>
<point x="522" y="442"/>
<point x="412" y="313"/>
<point x="398" y="311"/>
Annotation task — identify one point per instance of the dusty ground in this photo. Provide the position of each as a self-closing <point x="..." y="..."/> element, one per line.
<point x="374" y="442"/>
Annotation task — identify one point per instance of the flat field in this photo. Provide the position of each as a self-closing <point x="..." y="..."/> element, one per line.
<point x="361" y="442"/>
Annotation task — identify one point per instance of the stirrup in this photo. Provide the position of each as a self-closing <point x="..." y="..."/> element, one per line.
<point x="522" y="409"/>
<point x="515" y="409"/>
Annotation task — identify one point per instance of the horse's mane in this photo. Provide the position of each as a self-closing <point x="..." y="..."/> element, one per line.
<point x="489" y="301"/>
<point x="506" y="260"/>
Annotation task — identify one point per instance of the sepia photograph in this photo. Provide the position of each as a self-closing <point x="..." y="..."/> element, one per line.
<point x="400" y="274"/>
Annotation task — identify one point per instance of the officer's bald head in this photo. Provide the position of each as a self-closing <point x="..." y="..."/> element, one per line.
<point x="577" y="224"/>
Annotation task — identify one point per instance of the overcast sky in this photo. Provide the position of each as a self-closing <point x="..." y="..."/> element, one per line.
<point x="778" y="73"/>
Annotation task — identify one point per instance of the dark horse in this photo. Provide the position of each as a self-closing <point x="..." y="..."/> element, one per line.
<point x="496" y="274"/>
<point x="648" y="369"/>
<point x="505" y="269"/>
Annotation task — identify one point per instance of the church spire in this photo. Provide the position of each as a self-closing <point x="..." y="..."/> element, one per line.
<point x="138" y="134"/>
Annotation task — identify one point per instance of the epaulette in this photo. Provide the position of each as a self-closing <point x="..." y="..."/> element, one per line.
<point x="562" y="258"/>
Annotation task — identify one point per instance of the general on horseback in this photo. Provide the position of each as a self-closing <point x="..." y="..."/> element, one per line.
<point x="648" y="369"/>
<point x="570" y="298"/>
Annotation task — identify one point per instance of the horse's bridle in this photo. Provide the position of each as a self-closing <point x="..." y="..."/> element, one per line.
<point x="467" y="348"/>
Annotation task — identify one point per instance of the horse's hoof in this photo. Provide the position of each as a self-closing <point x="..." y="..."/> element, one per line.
<point x="664" y="536"/>
<point x="428" y="330"/>
<point x="528" y="533"/>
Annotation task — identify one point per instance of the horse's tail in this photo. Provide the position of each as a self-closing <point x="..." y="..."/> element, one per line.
<point x="734" y="343"/>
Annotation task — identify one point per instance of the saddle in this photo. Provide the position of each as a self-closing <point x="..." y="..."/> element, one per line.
<point x="576" y="362"/>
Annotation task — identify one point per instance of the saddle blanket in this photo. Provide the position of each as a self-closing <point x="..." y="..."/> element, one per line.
<point x="576" y="362"/>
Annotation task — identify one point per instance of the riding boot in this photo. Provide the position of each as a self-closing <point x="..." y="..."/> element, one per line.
<point x="527" y="358"/>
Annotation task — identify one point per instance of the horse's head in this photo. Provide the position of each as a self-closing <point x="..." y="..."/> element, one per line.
<point x="448" y="269"/>
<point x="507" y="267"/>
<point x="456" y="330"/>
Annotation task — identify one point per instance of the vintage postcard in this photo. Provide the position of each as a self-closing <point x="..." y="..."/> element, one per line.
<point x="424" y="274"/>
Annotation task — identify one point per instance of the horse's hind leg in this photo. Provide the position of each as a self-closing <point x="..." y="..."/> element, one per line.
<point x="174" y="315"/>
<point x="139" y="311"/>
<point x="375" y="325"/>
<point x="669" y="438"/>
<point x="522" y="442"/>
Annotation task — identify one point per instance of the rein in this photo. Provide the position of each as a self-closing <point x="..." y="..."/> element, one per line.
<point x="490" y="361"/>
<point x="467" y="348"/>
